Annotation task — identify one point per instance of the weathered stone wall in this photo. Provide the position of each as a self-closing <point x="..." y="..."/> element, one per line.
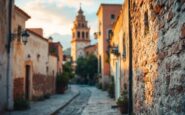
<point x="158" y="32"/>
<point x="42" y="85"/>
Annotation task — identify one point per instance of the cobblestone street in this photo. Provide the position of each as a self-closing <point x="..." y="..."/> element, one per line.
<point x="100" y="104"/>
<point x="77" y="105"/>
<point x="91" y="101"/>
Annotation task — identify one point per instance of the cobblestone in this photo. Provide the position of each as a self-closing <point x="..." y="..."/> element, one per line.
<point x="100" y="104"/>
<point x="78" y="104"/>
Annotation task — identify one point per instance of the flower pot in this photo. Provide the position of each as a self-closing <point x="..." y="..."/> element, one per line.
<point x="61" y="89"/>
<point x="123" y="108"/>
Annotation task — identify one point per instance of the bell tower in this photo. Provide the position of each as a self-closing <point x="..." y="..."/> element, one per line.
<point x="80" y="36"/>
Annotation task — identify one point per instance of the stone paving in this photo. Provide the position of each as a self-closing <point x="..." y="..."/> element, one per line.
<point x="100" y="104"/>
<point x="78" y="104"/>
<point x="48" y="106"/>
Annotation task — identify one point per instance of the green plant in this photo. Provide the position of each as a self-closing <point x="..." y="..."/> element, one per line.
<point x="99" y="85"/>
<point x="86" y="69"/>
<point x="21" y="104"/>
<point x="111" y="89"/>
<point x="62" y="81"/>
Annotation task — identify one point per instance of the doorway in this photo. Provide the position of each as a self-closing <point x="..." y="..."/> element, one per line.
<point x="27" y="82"/>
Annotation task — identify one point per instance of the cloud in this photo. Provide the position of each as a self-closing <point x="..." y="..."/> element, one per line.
<point x="51" y="18"/>
<point x="56" y="16"/>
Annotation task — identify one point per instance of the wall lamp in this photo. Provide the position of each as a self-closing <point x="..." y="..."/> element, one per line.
<point x="114" y="50"/>
<point x="23" y="35"/>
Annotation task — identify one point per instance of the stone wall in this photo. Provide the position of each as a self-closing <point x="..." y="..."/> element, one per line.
<point x="158" y="33"/>
<point x="42" y="85"/>
<point x="3" y="53"/>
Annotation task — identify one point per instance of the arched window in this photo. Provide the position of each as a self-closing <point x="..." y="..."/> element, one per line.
<point x="78" y="34"/>
<point x="87" y="35"/>
<point x="83" y="35"/>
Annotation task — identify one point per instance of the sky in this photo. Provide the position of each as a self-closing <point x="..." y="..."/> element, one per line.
<point x="56" y="16"/>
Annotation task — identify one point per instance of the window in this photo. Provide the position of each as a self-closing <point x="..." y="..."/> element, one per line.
<point x="38" y="57"/>
<point x="47" y="69"/>
<point x="53" y="73"/>
<point x="82" y="25"/>
<point x="124" y="47"/>
<point x="83" y="34"/>
<point x="112" y="16"/>
<point x="78" y="34"/>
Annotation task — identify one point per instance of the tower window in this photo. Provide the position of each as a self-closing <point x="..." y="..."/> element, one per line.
<point x="78" y="34"/>
<point x="87" y="35"/>
<point x="83" y="35"/>
<point x="112" y="16"/>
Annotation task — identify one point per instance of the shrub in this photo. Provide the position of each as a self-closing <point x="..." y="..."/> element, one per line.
<point x="111" y="89"/>
<point x="62" y="81"/>
<point x="99" y="85"/>
<point x="21" y="104"/>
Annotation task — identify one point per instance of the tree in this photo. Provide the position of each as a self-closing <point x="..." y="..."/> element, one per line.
<point x="87" y="68"/>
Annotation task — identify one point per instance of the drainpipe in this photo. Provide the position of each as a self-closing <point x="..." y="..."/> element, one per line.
<point x="8" y="75"/>
<point x="130" y="108"/>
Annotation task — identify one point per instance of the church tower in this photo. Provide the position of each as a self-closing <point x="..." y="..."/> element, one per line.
<point x="80" y="36"/>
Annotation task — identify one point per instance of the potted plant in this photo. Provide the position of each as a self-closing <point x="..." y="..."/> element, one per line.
<point x="21" y="104"/>
<point x="122" y="103"/>
<point x="61" y="83"/>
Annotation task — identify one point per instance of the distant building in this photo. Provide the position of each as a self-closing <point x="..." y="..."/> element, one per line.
<point x="91" y="50"/>
<point x="80" y="36"/>
<point x="56" y="49"/>
<point x="107" y="15"/>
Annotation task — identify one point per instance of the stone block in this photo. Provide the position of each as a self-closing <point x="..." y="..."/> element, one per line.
<point x="182" y="34"/>
<point x="170" y="15"/>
